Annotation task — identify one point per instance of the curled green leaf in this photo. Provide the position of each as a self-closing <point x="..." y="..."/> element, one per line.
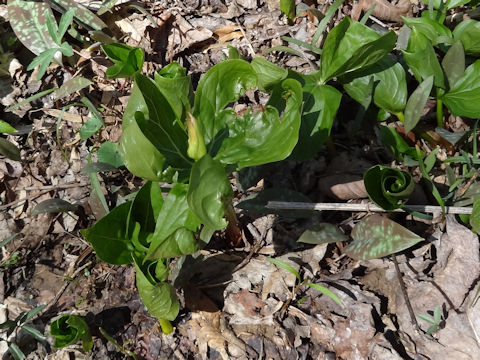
<point x="388" y="187"/>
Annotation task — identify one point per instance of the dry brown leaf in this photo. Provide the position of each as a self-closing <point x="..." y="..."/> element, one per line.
<point x="383" y="9"/>
<point x="228" y="33"/>
<point x="343" y="187"/>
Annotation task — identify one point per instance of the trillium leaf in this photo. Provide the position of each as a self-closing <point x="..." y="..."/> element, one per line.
<point x="222" y="84"/>
<point x="468" y="32"/>
<point x="209" y="192"/>
<point x="378" y="236"/>
<point x="159" y="297"/>
<point x="463" y="99"/>
<point x="453" y="63"/>
<point x="416" y="103"/>
<point x="351" y="46"/>
<point x="264" y="137"/>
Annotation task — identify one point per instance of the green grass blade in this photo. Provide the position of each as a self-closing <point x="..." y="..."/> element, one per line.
<point x="327" y="292"/>
<point x="323" y="24"/>
<point x="286" y="267"/>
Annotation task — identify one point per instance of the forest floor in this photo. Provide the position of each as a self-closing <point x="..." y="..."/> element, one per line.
<point x="237" y="305"/>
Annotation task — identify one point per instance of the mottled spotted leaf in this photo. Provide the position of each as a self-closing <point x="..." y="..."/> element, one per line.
<point x="82" y="14"/>
<point x="30" y="25"/>
<point x="378" y="236"/>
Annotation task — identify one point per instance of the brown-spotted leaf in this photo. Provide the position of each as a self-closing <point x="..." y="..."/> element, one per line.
<point x="378" y="236"/>
<point x="28" y="21"/>
<point x="82" y="14"/>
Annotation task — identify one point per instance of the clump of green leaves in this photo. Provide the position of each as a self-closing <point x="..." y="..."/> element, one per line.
<point x="193" y="141"/>
<point x="127" y="60"/>
<point x="21" y="323"/>
<point x="70" y="329"/>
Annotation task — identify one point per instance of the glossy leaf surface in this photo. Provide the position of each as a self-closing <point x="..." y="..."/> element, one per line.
<point x="127" y="60"/>
<point x="222" y="84"/>
<point x="378" y="236"/>
<point x="351" y="46"/>
<point x="463" y="99"/>
<point x="159" y="298"/>
<point x="468" y="32"/>
<point x="428" y="27"/>
<point x="320" y="105"/>
<point x="209" y="192"/>
<point x="110" y="238"/>
<point x="268" y="74"/>
<point x="175" y="214"/>
<point x="422" y="60"/>
<point x="264" y="137"/>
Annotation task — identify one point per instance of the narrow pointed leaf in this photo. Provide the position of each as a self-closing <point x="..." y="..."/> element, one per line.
<point x="416" y="103"/>
<point x="53" y="206"/>
<point x="9" y="150"/>
<point x="378" y="236"/>
<point x="71" y="86"/>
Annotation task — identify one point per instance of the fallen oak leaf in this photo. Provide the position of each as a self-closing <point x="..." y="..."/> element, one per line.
<point x="383" y="9"/>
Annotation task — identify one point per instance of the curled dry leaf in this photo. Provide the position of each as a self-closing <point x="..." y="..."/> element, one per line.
<point x="383" y="9"/>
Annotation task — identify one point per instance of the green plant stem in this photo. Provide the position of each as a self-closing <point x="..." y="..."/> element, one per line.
<point x="440" y="123"/>
<point x="400" y="117"/>
<point x="166" y="326"/>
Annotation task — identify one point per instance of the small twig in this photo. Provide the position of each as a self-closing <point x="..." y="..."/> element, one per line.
<point x="22" y="200"/>
<point x="368" y="207"/>
<point x="52" y="187"/>
<point x="413" y="319"/>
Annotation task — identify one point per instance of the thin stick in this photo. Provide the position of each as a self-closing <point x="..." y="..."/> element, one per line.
<point x="413" y="319"/>
<point x="368" y="207"/>
<point x="52" y="187"/>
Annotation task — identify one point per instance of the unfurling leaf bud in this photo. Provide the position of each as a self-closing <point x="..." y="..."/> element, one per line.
<point x="196" y="143"/>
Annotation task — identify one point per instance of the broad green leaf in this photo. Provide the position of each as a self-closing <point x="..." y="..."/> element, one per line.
<point x="161" y="128"/>
<point x="175" y="214"/>
<point x="320" y="105"/>
<point x="159" y="298"/>
<point x="108" y="153"/>
<point x="288" y="8"/>
<point x="378" y="236"/>
<point x="140" y="156"/>
<point x="422" y="60"/>
<point x="463" y="99"/>
<point x="285" y="266"/>
<point x="68" y="330"/>
<point x="222" y="84"/>
<point x="29" y="24"/>
<point x="91" y="127"/>
<point x="110" y="238"/>
<point x="127" y="60"/>
<point x="210" y="192"/>
<point x="264" y="137"/>
<point x="176" y="86"/>
<point x="268" y="74"/>
<point x="71" y="86"/>
<point x="6" y="128"/>
<point x="361" y="90"/>
<point x="351" y="46"/>
<point x="82" y="15"/>
<point x="468" y="32"/>
<point x="428" y="27"/>
<point x="325" y="291"/>
<point x="181" y="242"/>
<point x="322" y="233"/>
<point x="390" y="85"/>
<point x="416" y="103"/>
<point x="147" y="206"/>
<point x="453" y="63"/>
<point x="53" y="206"/>
<point x="475" y="218"/>
<point x="388" y="187"/>
<point x="9" y="150"/>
